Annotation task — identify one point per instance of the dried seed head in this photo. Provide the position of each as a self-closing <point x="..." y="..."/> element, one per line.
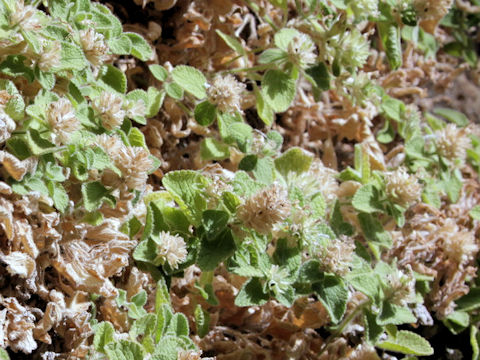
<point x="7" y="125"/>
<point x="171" y="249"/>
<point x="225" y="92"/>
<point x="266" y="208"/>
<point x="134" y="163"/>
<point x="452" y="142"/>
<point x="94" y="46"/>
<point x="110" y="108"/>
<point x="302" y="51"/>
<point x="62" y="120"/>
<point x="189" y="355"/>
<point x="50" y="56"/>
<point x="403" y="188"/>
<point x="25" y="17"/>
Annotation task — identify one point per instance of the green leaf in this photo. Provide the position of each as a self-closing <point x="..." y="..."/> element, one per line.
<point x="293" y="160"/>
<point x="475" y="341"/>
<point x="162" y="296"/>
<point x="174" y="90"/>
<point x="469" y="302"/>
<point x="278" y="90"/>
<point x="453" y="116"/>
<point x="144" y="326"/>
<point x="124" y="350"/>
<point x="104" y="334"/>
<point x="114" y="79"/>
<point x="394" y="314"/>
<point x="390" y="36"/>
<point x="373" y="331"/>
<point x="320" y="75"/>
<point x="205" y="113"/>
<point x="121" y="45"/>
<point x="214" y="251"/>
<point x="214" y="222"/>
<point x="270" y="56"/>
<point x="333" y="294"/>
<point x="367" y="199"/>
<point x="264" y="111"/>
<point x="140" y="47"/>
<point x="264" y="170"/>
<point x="94" y="218"/>
<point x="457" y="321"/>
<point x="251" y="294"/>
<point x="37" y="144"/>
<point x="159" y="72"/>
<point x="15" y="107"/>
<point x="4" y="354"/>
<point x="71" y="58"/>
<point x="47" y="80"/>
<point x="284" y="37"/>
<point x="178" y="325"/>
<point x="374" y="232"/>
<point x="202" y="321"/>
<point x="392" y="108"/>
<point x="136" y="138"/>
<point x="211" y="149"/>
<point x="93" y="195"/>
<point x="187" y="188"/>
<point x="232" y="42"/>
<point x="407" y="342"/>
<point x="154" y="101"/>
<point x="191" y="80"/>
<point x="14" y="66"/>
<point x="58" y="195"/>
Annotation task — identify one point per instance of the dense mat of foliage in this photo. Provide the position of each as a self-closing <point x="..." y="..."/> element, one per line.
<point x="249" y="179"/>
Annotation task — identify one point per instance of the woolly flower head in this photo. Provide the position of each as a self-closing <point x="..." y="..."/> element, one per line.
<point x="302" y="51"/>
<point x="403" y="188"/>
<point x="266" y="208"/>
<point x="134" y="162"/>
<point x="452" y="142"/>
<point x="62" y="120"/>
<point x="50" y="56"/>
<point x="110" y="108"/>
<point x="401" y="289"/>
<point x="24" y="17"/>
<point x="433" y="10"/>
<point x="353" y="49"/>
<point x="337" y="256"/>
<point x="171" y="249"/>
<point x="278" y="278"/>
<point x="226" y="93"/>
<point x="94" y="46"/>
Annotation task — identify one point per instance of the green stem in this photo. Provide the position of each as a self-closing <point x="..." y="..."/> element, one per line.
<point x="344" y="324"/>
<point x="184" y="108"/>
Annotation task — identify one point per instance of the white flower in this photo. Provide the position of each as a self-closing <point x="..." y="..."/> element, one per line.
<point x="24" y="17"/>
<point x="302" y="51"/>
<point x="50" y="57"/>
<point x="452" y="142"/>
<point x="62" y="120"/>
<point x="110" y="108"/>
<point x="403" y="188"/>
<point x="7" y="125"/>
<point x="225" y="92"/>
<point x="94" y="46"/>
<point x="171" y="249"/>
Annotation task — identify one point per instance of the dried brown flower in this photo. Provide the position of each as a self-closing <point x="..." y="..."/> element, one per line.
<point x="134" y="163"/>
<point x="25" y="17"/>
<point x="17" y="168"/>
<point x="338" y="256"/>
<point x="16" y="327"/>
<point x="7" y="125"/>
<point x="266" y="208"/>
<point x="62" y="120"/>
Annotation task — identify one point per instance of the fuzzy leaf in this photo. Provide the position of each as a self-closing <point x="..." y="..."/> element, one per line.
<point x="205" y="113"/>
<point x="71" y="58"/>
<point x="93" y="195"/>
<point x="453" y="116"/>
<point x="159" y="72"/>
<point x="202" y="321"/>
<point x="124" y="350"/>
<point x="214" y="251"/>
<point x="140" y="47"/>
<point x="191" y="80"/>
<point x="278" y="90"/>
<point x="407" y="342"/>
<point x="104" y="334"/>
<point x="114" y="79"/>
<point x="366" y="199"/>
<point x="293" y="160"/>
<point x="232" y="42"/>
<point x="211" y="149"/>
<point x="154" y="101"/>
<point x="251" y="294"/>
<point x="333" y="294"/>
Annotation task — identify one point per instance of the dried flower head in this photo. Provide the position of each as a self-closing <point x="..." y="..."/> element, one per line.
<point x="432" y="10"/>
<point x="134" y="163"/>
<point x="460" y="246"/>
<point x="302" y="51"/>
<point x="110" y="108"/>
<point x="111" y="144"/>
<point x="171" y="249"/>
<point x="135" y="108"/>
<point x="353" y="49"/>
<point x="62" y="120"/>
<point x="16" y="327"/>
<point x="7" y="125"/>
<point x="452" y="142"/>
<point x="337" y="256"/>
<point x="401" y="288"/>
<point x="94" y="46"/>
<point x="402" y="188"/>
<point x="24" y="17"/>
<point x="225" y="92"/>
<point x="266" y="208"/>
<point x="50" y="56"/>
<point x="189" y="355"/>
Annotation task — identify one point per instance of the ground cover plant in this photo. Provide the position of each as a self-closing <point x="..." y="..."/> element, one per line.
<point x="239" y="179"/>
